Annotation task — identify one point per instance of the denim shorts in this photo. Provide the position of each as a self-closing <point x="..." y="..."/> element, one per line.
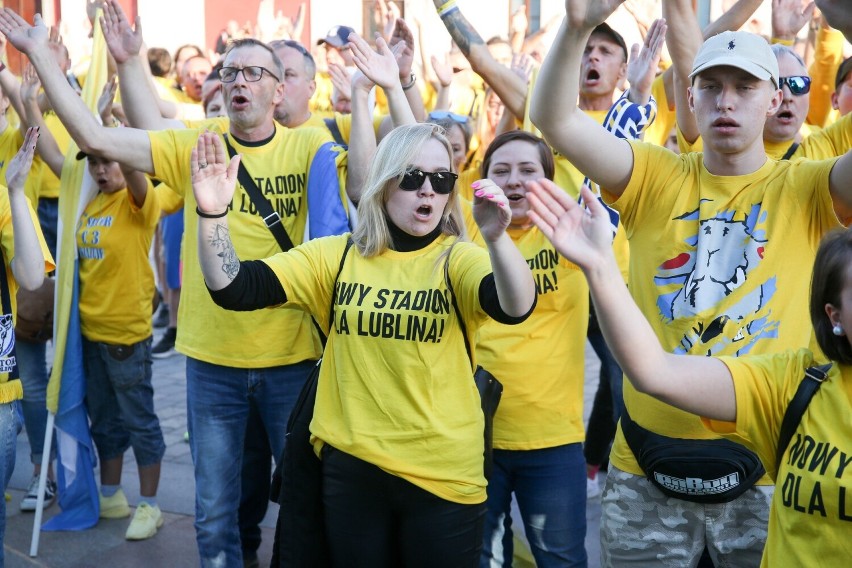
<point x="120" y="400"/>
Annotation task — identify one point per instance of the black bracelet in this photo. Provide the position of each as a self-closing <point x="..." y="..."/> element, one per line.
<point x="204" y="215"/>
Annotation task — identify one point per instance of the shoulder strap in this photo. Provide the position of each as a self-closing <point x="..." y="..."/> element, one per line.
<point x="456" y="306"/>
<point x="323" y="337"/>
<point x="790" y="151"/>
<point x="331" y="124"/>
<point x="6" y="299"/>
<point x="813" y="379"/>
<point x="264" y="208"/>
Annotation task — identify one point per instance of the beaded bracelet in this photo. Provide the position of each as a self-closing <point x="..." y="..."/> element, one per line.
<point x="204" y="215"/>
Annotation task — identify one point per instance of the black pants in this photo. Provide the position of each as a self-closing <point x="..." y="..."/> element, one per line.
<point x="254" y="479"/>
<point x="376" y="520"/>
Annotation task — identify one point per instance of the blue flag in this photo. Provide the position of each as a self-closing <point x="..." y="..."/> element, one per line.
<point x="76" y="458"/>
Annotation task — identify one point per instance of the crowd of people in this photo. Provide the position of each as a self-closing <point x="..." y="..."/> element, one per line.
<point x="680" y="204"/>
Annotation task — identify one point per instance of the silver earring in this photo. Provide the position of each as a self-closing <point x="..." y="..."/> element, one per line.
<point x="837" y="330"/>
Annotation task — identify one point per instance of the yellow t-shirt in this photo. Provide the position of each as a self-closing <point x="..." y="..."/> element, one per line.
<point x="811" y="508"/>
<point x="658" y="131"/>
<point x="295" y="163"/>
<point x="714" y="264"/>
<point x="343" y="121"/>
<point x="12" y="390"/>
<point x="170" y="202"/>
<point x="11" y="140"/>
<point x="116" y="280"/>
<point x="396" y="387"/>
<point x="543" y="409"/>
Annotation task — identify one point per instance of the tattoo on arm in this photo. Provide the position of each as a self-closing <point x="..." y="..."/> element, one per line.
<point x="221" y="239"/>
<point x="462" y="32"/>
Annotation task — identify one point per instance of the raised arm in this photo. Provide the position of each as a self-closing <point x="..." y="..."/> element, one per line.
<point x="402" y="39"/>
<point x="508" y="86"/>
<point x="28" y="261"/>
<point x="139" y="97"/>
<point x="214" y="180"/>
<point x="126" y="145"/>
<point x="381" y="68"/>
<point x="701" y="385"/>
<point x="554" y="105"/>
<point x="512" y="276"/>
<point x="684" y="40"/>
<point x="47" y="147"/>
<point x="644" y="61"/>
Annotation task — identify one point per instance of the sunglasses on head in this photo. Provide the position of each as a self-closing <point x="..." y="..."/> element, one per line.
<point x="445" y="115"/>
<point x="798" y="84"/>
<point x="442" y="182"/>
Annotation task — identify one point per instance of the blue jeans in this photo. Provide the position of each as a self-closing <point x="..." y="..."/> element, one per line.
<point x="48" y="216"/>
<point x="32" y="364"/>
<point x="218" y="400"/>
<point x="550" y="487"/>
<point x="120" y="401"/>
<point x="10" y="427"/>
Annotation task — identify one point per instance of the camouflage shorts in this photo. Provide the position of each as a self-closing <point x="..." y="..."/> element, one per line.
<point x="640" y="526"/>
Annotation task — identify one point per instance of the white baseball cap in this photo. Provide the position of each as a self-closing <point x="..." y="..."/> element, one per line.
<point x="743" y="50"/>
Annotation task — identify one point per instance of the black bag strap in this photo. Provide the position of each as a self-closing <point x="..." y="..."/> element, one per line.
<point x="813" y="379"/>
<point x="456" y="306"/>
<point x="270" y="217"/>
<point x="6" y="299"/>
<point x="790" y="151"/>
<point x="331" y="124"/>
<point x="323" y="337"/>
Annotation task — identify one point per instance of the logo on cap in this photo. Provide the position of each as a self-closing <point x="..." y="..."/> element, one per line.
<point x="731" y="44"/>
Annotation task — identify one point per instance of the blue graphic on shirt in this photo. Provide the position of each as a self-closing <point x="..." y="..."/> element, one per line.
<point x="728" y="247"/>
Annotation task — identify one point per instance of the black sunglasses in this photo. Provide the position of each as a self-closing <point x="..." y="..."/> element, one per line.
<point x="798" y="84"/>
<point x="251" y="73"/>
<point x="442" y="182"/>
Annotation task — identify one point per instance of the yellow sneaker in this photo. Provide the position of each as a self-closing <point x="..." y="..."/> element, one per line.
<point x="145" y="523"/>
<point x="114" y="507"/>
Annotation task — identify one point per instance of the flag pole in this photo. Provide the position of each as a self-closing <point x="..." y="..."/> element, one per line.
<point x="42" y="481"/>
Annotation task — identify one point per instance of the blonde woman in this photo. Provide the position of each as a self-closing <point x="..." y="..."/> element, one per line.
<point x="397" y="419"/>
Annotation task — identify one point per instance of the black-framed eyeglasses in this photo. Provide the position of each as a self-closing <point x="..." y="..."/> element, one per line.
<point x="251" y="73"/>
<point x="447" y="115"/>
<point x="442" y="182"/>
<point x="798" y="84"/>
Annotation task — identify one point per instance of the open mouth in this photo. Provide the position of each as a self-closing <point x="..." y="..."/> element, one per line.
<point x="785" y="115"/>
<point x="239" y="100"/>
<point x="515" y="197"/>
<point x="424" y="210"/>
<point x="593" y="75"/>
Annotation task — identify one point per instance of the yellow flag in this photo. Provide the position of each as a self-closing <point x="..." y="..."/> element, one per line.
<point x="73" y="198"/>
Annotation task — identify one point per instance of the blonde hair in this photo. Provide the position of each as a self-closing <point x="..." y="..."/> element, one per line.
<point x="394" y="155"/>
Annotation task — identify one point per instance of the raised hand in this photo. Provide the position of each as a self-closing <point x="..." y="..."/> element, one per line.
<point x="490" y="209"/>
<point x="25" y="37"/>
<point x="30" y="84"/>
<point x="105" y="101"/>
<point x="19" y="166"/>
<point x="581" y="235"/>
<point x="643" y="64"/>
<point x="522" y="66"/>
<point x="790" y="16"/>
<point x="405" y="59"/>
<point x="586" y="14"/>
<point x="122" y="41"/>
<point x="378" y="66"/>
<point x="214" y="178"/>
<point x="340" y="78"/>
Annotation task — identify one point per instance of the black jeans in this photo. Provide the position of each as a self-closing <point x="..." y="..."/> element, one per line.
<point x="254" y="479"/>
<point x="377" y="520"/>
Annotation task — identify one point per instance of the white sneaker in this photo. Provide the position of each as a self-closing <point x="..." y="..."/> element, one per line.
<point x="30" y="501"/>
<point x="593" y="489"/>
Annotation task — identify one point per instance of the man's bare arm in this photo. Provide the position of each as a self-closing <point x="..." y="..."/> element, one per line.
<point x="554" y="104"/>
<point x="127" y="145"/>
<point x="509" y="87"/>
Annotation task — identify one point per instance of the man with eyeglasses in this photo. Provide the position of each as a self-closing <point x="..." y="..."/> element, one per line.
<point x="234" y="360"/>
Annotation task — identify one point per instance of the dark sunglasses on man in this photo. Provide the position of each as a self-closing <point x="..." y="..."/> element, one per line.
<point x="442" y="182"/>
<point x="251" y="73"/>
<point x="798" y="84"/>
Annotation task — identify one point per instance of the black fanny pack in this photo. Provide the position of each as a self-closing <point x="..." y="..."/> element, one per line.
<point x="702" y="471"/>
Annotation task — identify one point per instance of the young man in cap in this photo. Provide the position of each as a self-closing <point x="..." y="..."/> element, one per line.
<point x="710" y="237"/>
<point x="841" y="98"/>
